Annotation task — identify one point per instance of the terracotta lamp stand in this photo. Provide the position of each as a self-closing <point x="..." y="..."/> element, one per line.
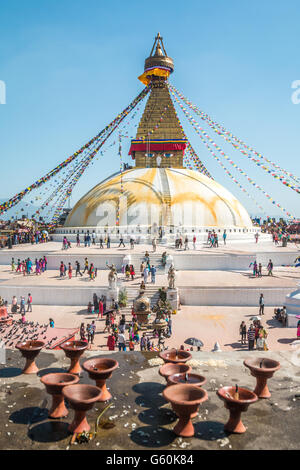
<point x="101" y="369"/>
<point x="185" y="401"/>
<point x="54" y="384"/>
<point x="175" y="356"/>
<point x="81" y="398"/>
<point x="74" y="350"/>
<point x="262" y="369"/>
<point x="169" y="369"/>
<point x="236" y="404"/>
<point x="30" y="350"/>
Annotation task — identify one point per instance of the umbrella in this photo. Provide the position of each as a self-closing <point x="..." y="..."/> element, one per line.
<point x="108" y="311"/>
<point x="298" y="316"/>
<point x="194" y="342"/>
<point x="256" y="318"/>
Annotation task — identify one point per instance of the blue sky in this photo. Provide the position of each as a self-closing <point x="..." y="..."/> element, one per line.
<point x="70" y="66"/>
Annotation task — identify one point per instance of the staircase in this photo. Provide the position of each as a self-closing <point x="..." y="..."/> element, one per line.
<point x="137" y="258"/>
<point x="166" y="197"/>
<point x="152" y="292"/>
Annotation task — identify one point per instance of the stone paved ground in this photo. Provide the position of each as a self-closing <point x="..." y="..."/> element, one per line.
<point x="283" y="277"/>
<point x="141" y="417"/>
<point x="210" y="324"/>
<point x="231" y="246"/>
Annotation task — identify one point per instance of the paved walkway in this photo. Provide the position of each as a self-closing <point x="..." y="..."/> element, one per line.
<point x="283" y="277"/>
<point x="231" y="247"/>
<point x="210" y="324"/>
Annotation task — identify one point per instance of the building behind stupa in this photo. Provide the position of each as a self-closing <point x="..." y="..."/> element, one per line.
<point x="159" y="194"/>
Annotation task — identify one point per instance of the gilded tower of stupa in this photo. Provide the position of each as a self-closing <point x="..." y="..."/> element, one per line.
<point x="160" y="141"/>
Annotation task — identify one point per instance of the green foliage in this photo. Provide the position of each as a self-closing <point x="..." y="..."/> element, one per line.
<point x="123" y="298"/>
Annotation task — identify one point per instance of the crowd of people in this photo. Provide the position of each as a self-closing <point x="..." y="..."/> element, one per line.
<point x="19" y="237"/>
<point x="122" y="334"/>
<point x="67" y="271"/>
<point x="257" y="268"/>
<point x="255" y="335"/>
<point x="27" y="267"/>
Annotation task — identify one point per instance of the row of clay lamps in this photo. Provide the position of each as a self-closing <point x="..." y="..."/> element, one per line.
<point x="63" y="385"/>
<point x="185" y="394"/>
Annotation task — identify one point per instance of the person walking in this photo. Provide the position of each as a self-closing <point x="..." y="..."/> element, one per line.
<point x="61" y="269"/>
<point x="86" y="266"/>
<point x="122" y="324"/>
<point x="111" y="342"/>
<point x="143" y="342"/>
<point x="92" y="331"/>
<point x="256" y="237"/>
<point x="261" y="304"/>
<point x="216" y="241"/>
<point x="121" y="342"/>
<point x="132" y="272"/>
<point x="70" y="269"/>
<point x="121" y="242"/>
<point x="259" y="270"/>
<point x="108" y="242"/>
<point x="243" y="332"/>
<point x="29" y="303"/>
<point x="78" y="268"/>
<point x="270" y="268"/>
<point x="88" y="239"/>
<point x="261" y="344"/>
<point x="22" y="305"/>
<point x="153" y="274"/>
<point x="78" y="240"/>
<point x="186" y="243"/>
<point x="107" y="324"/>
<point x="146" y="272"/>
<point x="101" y="242"/>
<point x="224" y="237"/>
<point x="194" y="242"/>
<point x="100" y="314"/>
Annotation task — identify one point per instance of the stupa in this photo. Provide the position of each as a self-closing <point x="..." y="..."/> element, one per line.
<point x="159" y="195"/>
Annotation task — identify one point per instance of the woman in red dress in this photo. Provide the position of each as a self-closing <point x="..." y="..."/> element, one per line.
<point x="132" y="273"/>
<point x="111" y="342"/>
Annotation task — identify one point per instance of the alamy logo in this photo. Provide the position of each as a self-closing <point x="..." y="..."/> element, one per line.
<point x="2" y="353"/>
<point x="2" y="92"/>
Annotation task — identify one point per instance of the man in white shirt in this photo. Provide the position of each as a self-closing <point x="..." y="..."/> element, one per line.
<point x="121" y="342"/>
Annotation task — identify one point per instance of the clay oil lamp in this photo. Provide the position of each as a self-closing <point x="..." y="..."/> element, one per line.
<point x="263" y="369"/>
<point x="170" y="369"/>
<point x="236" y="400"/>
<point x="101" y="369"/>
<point x="187" y="378"/>
<point x="54" y="384"/>
<point x="175" y="356"/>
<point x="185" y="400"/>
<point x="81" y="398"/>
<point x="73" y="350"/>
<point x="29" y="350"/>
